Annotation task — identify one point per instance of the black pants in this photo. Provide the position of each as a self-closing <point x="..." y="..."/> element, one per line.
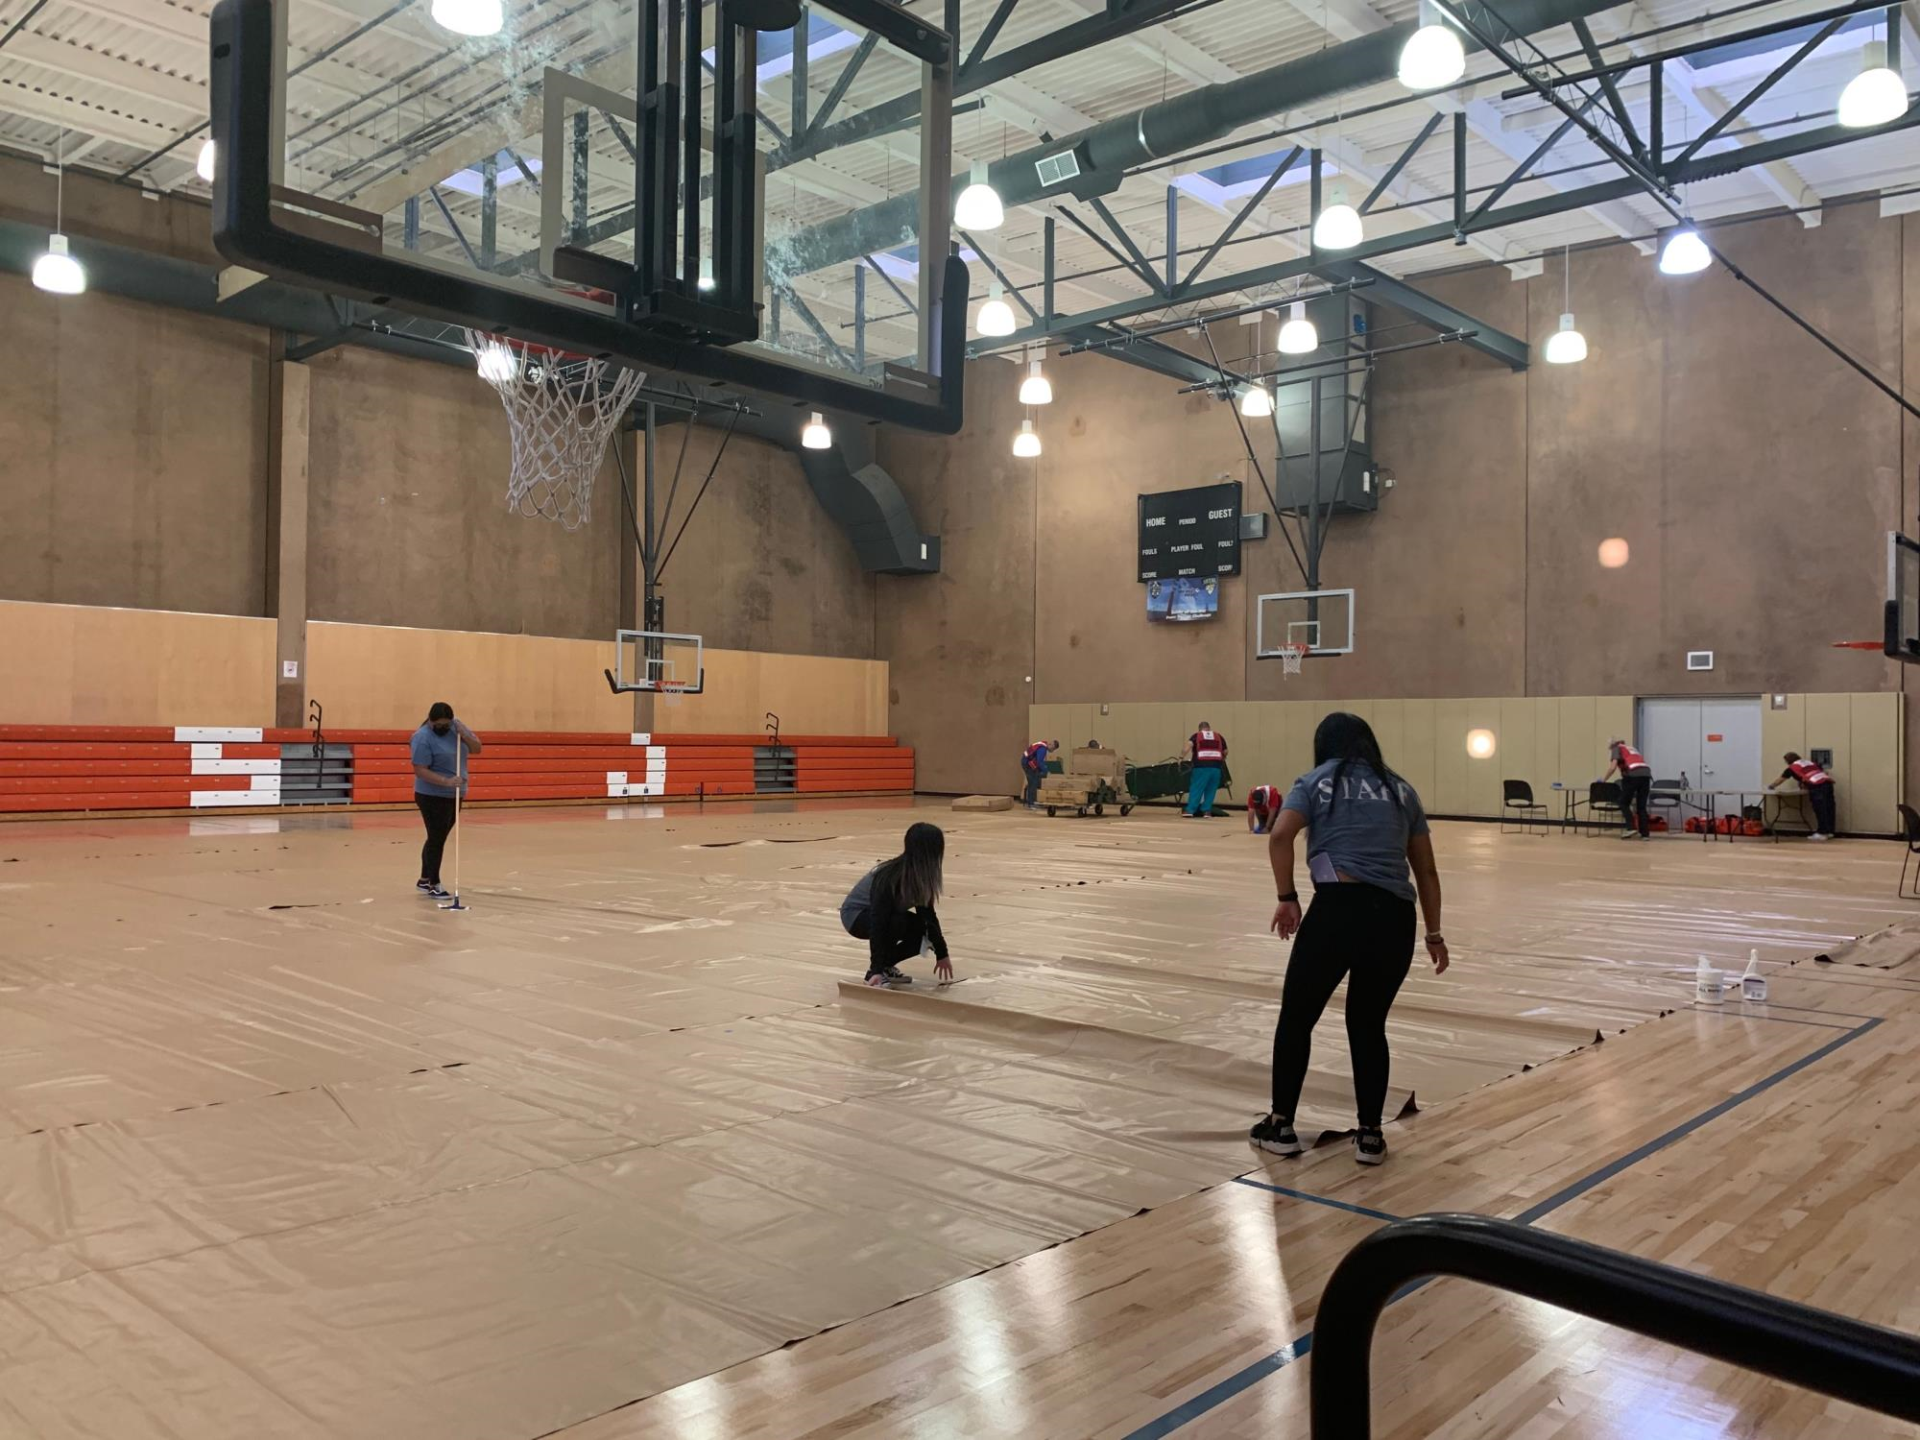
<point x="438" y="812"/>
<point x="908" y="935"/>
<point x="1034" y="779"/>
<point x="1365" y="935"/>
<point x="1634" y="793"/>
<point x="1822" y="798"/>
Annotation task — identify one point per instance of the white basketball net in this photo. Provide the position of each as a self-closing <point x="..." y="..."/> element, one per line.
<point x="1290" y="658"/>
<point x="561" y="411"/>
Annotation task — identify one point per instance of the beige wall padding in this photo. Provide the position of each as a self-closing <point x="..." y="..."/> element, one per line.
<point x="91" y="665"/>
<point x="812" y="695"/>
<point x="1538" y="739"/>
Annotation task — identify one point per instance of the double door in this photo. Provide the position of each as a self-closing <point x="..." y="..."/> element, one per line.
<point x="1711" y="744"/>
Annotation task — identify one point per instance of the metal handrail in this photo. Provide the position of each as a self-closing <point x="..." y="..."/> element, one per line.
<point x="1847" y="1359"/>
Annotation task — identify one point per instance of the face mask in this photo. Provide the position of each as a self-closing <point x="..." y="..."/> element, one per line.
<point x="440" y="727"/>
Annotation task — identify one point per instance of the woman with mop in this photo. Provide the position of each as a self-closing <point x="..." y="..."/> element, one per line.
<point x="440" y="749"/>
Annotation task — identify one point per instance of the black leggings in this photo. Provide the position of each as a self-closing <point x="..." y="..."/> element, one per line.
<point x="1635" y="794"/>
<point x="1362" y="933"/>
<point x="438" y="812"/>
<point x="1822" y="798"/>
<point x="909" y="934"/>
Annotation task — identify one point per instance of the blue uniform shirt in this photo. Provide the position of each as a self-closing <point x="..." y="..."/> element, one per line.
<point x="440" y="753"/>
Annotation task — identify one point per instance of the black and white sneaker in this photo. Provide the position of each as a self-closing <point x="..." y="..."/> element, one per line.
<point x="425" y="887"/>
<point x="434" y="892"/>
<point x="1369" y="1146"/>
<point x="1275" y="1136"/>
<point x="894" y="975"/>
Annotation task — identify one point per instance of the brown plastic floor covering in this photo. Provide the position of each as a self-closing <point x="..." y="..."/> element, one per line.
<point x="287" y="1151"/>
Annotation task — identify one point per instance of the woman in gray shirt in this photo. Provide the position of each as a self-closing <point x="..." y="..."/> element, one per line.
<point x="1365" y="828"/>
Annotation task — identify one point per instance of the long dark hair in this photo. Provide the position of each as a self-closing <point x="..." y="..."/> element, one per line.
<point x="913" y="876"/>
<point x="1348" y="738"/>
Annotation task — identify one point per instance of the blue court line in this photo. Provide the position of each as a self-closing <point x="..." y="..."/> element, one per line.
<point x="1209" y="1399"/>
<point x="1326" y="1200"/>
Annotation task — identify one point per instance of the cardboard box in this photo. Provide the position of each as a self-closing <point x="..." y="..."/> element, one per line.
<point x="1103" y="764"/>
<point x="983" y="802"/>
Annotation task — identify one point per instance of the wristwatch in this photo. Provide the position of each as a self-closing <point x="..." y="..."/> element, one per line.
<point x="1441" y="939"/>
<point x="1292" y="897"/>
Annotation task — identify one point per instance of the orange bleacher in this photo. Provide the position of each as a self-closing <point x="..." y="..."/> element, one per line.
<point x="74" y="769"/>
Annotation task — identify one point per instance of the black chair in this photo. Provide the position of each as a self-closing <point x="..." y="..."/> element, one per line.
<point x="1910" y="832"/>
<point x="1603" y="797"/>
<point x="1521" y="808"/>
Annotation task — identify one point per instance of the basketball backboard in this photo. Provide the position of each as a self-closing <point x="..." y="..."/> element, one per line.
<point x="1903" y="598"/>
<point x="1321" y="620"/>
<point x="658" y="663"/>
<point x="765" y="233"/>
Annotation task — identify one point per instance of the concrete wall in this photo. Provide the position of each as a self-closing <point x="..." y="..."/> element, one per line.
<point x="1753" y="475"/>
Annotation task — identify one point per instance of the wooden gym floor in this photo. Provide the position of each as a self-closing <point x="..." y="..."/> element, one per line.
<point x="625" y="1150"/>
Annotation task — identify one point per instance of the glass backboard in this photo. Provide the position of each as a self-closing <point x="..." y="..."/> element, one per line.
<point x="494" y="180"/>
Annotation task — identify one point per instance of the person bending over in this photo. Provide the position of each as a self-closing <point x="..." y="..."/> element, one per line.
<point x="1263" y="808"/>
<point x="1207" y="753"/>
<point x="1033" y="764"/>
<point x="440" y="747"/>
<point x="1636" y="787"/>
<point x="1365" y="827"/>
<point x="1819" y="787"/>
<point x="891" y="908"/>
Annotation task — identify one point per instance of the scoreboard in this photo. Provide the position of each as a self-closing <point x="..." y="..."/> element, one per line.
<point x="1190" y="534"/>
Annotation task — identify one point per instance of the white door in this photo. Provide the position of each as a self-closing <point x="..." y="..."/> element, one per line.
<point x="1711" y="744"/>
<point x="1730" y="744"/>
<point x="1670" y="732"/>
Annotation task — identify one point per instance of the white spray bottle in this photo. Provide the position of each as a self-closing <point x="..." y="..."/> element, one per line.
<point x="1753" y="985"/>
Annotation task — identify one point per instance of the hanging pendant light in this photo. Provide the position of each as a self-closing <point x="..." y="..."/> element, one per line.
<point x="1256" y="402"/>
<point x="995" y="317"/>
<point x="1297" y="336"/>
<point x="1683" y="252"/>
<point x="978" y="207"/>
<point x="1566" y="346"/>
<point x="477" y="18"/>
<point x="1433" y="55"/>
<point x="1026" y="444"/>
<point x="1877" y="94"/>
<point x="706" y="280"/>
<point x="1338" y="227"/>
<point x="1036" y="389"/>
<point x="203" y="162"/>
<point x="816" y="435"/>
<point x="57" y="272"/>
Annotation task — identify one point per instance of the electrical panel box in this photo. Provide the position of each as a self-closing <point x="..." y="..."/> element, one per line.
<point x="1320" y="419"/>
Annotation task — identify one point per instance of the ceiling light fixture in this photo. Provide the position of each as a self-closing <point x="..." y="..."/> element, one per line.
<point x="706" y="281"/>
<point x="1877" y="94"/>
<point x="816" y="435"/>
<point x="1683" y="252"/>
<point x="978" y="207"/>
<point x="995" y="317"/>
<point x="1256" y="402"/>
<point x="476" y="18"/>
<point x="1433" y="55"/>
<point x="1036" y="389"/>
<point x="1026" y="444"/>
<point x="203" y="162"/>
<point x="1338" y="227"/>
<point x="57" y="272"/>
<point x="1297" y="336"/>
<point x="1566" y="346"/>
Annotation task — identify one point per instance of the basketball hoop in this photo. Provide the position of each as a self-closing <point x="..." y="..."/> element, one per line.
<point x="1290" y="658"/>
<point x="560" y="409"/>
<point x="1880" y="645"/>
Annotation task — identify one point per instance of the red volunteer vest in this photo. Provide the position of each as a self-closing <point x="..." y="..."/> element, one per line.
<point x="1632" y="760"/>
<point x="1208" y="748"/>
<point x="1809" y="774"/>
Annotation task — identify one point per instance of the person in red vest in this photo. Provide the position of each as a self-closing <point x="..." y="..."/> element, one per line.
<point x="1207" y="753"/>
<point x="1819" y="787"/>
<point x="1636" y="786"/>
<point x="1263" y="808"/>
<point x="1033" y="761"/>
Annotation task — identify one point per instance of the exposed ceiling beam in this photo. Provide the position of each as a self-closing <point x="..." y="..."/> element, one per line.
<point x="1697" y="97"/>
<point x="59" y="110"/>
<point x="135" y="81"/>
<point x="1350" y="19"/>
